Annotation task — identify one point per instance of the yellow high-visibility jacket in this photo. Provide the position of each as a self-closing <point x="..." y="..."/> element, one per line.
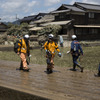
<point x="51" y="46"/>
<point x="22" y="46"/>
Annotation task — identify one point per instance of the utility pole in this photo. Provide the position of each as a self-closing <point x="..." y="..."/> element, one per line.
<point x="16" y="19"/>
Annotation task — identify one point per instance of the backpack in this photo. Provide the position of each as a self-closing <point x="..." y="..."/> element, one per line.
<point x="16" y="46"/>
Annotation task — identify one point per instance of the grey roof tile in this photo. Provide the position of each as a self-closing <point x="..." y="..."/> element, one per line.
<point x="73" y="8"/>
<point x="88" y="6"/>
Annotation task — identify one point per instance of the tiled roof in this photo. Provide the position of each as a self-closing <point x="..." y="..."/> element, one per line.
<point x="73" y="8"/>
<point x="60" y="11"/>
<point x="28" y="18"/>
<point x="67" y="8"/>
<point x="41" y="15"/>
<point x="88" y="6"/>
<point x="46" y="18"/>
<point x="33" y="17"/>
<point x="57" y="23"/>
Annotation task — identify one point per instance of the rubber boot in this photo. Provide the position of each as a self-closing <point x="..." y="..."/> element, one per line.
<point x="81" y="69"/>
<point x="99" y="70"/>
<point x="74" y="66"/>
<point x="99" y="74"/>
<point x="48" y="70"/>
<point x="21" y="66"/>
<point x="27" y="70"/>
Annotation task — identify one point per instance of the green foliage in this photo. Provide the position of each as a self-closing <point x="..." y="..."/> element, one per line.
<point x="18" y="30"/>
<point x="3" y="38"/>
<point x="10" y="25"/>
<point x="50" y="29"/>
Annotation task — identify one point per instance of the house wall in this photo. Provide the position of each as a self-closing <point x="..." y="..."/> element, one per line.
<point x="93" y="21"/>
<point x="3" y="26"/>
<point x="68" y="31"/>
<point x="62" y="17"/>
<point x="78" y="19"/>
<point x="87" y="33"/>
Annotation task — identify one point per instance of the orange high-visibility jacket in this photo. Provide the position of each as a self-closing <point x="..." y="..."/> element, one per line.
<point x="22" y="46"/>
<point x="51" y="46"/>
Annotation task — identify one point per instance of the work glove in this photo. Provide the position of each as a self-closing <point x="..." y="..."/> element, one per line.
<point x="46" y="50"/>
<point x="59" y="54"/>
<point x="30" y="55"/>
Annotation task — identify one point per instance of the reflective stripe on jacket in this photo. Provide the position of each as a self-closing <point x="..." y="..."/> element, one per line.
<point x="22" y="47"/>
<point x="76" y="47"/>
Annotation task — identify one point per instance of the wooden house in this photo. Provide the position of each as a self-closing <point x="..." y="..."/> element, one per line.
<point x="38" y="17"/>
<point x="27" y="19"/>
<point x="34" y="21"/>
<point x="84" y="20"/>
<point x="3" y="27"/>
<point x="31" y="19"/>
<point x="41" y="18"/>
<point x="90" y="30"/>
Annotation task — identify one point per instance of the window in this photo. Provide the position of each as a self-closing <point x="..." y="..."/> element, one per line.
<point x="61" y="16"/>
<point x="91" y="15"/>
<point x="93" y="31"/>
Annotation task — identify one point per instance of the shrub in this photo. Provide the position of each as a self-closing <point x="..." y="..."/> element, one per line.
<point x="49" y="29"/>
<point x="3" y="38"/>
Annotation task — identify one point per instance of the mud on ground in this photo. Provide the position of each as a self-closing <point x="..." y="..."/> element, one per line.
<point x="62" y="84"/>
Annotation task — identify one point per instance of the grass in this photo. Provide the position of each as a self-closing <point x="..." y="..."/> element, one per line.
<point x="90" y="60"/>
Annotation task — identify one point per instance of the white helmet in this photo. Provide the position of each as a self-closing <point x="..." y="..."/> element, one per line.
<point x="51" y="35"/>
<point x="74" y="37"/>
<point x="26" y="36"/>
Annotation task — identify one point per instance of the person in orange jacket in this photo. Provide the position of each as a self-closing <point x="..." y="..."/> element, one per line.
<point x="24" y="51"/>
<point x="50" y="47"/>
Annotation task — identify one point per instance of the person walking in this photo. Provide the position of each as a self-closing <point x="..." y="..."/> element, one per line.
<point x="76" y="51"/>
<point x="61" y="40"/>
<point x="24" y="51"/>
<point x="50" y="47"/>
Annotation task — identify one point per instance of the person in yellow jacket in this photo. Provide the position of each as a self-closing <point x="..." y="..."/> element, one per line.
<point x="24" y="51"/>
<point x="50" y="47"/>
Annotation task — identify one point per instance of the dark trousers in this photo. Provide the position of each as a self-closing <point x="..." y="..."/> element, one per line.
<point x="99" y="70"/>
<point x="61" y="44"/>
<point x="75" y="63"/>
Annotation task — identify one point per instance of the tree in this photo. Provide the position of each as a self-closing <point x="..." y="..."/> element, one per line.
<point x="10" y="25"/>
<point x="49" y="29"/>
<point x="18" y="29"/>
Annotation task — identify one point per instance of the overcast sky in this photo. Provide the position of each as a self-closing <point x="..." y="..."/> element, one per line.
<point x="10" y="8"/>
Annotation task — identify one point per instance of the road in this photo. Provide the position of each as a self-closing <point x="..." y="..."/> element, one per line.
<point x="62" y="84"/>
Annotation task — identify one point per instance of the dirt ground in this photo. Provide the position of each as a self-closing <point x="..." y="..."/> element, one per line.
<point x="62" y="84"/>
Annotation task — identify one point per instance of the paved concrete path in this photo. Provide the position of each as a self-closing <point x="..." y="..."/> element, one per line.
<point x="62" y="84"/>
